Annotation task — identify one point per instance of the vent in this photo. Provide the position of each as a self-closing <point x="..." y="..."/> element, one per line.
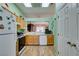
<point x="36" y="4"/>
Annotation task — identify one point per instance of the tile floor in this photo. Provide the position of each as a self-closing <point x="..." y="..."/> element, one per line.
<point x="38" y="51"/>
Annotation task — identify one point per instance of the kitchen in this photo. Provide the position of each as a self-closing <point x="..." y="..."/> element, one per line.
<point x="34" y="31"/>
<point x="39" y="30"/>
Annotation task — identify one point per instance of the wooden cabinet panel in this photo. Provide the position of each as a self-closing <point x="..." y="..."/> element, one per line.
<point x="21" y="22"/>
<point x="17" y="48"/>
<point x="36" y="40"/>
<point x="31" y="40"/>
<point x="18" y="21"/>
<point x="50" y="39"/>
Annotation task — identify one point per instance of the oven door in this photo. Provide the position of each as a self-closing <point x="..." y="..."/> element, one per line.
<point x="21" y="43"/>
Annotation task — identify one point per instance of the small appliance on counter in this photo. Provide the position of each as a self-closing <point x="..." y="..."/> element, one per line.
<point x="20" y="32"/>
<point x="30" y="27"/>
<point x="47" y="31"/>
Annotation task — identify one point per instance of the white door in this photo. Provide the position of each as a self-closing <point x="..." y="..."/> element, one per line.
<point x="70" y="30"/>
<point x="77" y="42"/>
<point x="73" y="27"/>
<point x="59" y="33"/>
<point x="67" y="30"/>
<point x="8" y="45"/>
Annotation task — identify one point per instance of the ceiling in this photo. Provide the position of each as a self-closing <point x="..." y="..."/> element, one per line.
<point x="36" y="10"/>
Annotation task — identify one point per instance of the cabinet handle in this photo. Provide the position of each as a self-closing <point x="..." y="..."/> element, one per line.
<point x="73" y="45"/>
<point x="69" y="43"/>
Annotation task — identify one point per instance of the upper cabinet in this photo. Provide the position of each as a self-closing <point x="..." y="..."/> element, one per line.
<point x="14" y="10"/>
<point x="20" y="23"/>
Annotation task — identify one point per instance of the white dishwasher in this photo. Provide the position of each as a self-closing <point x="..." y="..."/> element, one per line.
<point x="43" y="40"/>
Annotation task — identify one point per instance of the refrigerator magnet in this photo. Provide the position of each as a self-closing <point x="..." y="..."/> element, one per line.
<point x="0" y="18"/>
<point x="1" y="26"/>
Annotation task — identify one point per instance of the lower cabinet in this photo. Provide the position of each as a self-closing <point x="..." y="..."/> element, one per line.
<point x="50" y="39"/>
<point x="31" y="40"/>
<point x="34" y="39"/>
<point x="17" y="48"/>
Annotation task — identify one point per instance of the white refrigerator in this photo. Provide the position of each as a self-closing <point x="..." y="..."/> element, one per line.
<point x="8" y="34"/>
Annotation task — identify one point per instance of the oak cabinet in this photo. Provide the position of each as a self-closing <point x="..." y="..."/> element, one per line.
<point x="34" y="39"/>
<point x="17" y="48"/>
<point x="20" y="23"/>
<point x="31" y="40"/>
<point x="50" y="39"/>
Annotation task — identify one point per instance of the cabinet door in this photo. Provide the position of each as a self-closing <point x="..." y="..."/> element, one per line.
<point x="50" y="39"/>
<point x="36" y="40"/>
<point x="22" y="24"/>
<point x="63" y="29"/>
<point x="17" y="48"/>
<point x="32" y="40"/>
<point x="29" y="40"/>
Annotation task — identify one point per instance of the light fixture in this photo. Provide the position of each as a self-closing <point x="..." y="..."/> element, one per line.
<point x="27" y="4"/>
<point x="45" y="4"/>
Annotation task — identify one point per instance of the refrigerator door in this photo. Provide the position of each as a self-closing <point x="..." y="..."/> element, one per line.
<point x="8" y="22"/>
<point x="8" y="45"/>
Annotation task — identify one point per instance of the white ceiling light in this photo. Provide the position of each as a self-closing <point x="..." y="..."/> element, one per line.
<point x="45" y="4"/>
<point x="28" y="4"/>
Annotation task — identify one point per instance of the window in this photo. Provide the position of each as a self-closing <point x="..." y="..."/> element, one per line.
<point x="40" y="29"/>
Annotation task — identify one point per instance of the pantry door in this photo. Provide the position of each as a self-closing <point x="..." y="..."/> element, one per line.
<point x="77" y="42"/>
<point x="60" y="38"/>
<point x="67" y="30"/>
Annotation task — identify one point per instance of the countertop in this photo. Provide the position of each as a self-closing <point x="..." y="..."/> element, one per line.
<point x="34" y="33"/>
<point x="37" y="33"/>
